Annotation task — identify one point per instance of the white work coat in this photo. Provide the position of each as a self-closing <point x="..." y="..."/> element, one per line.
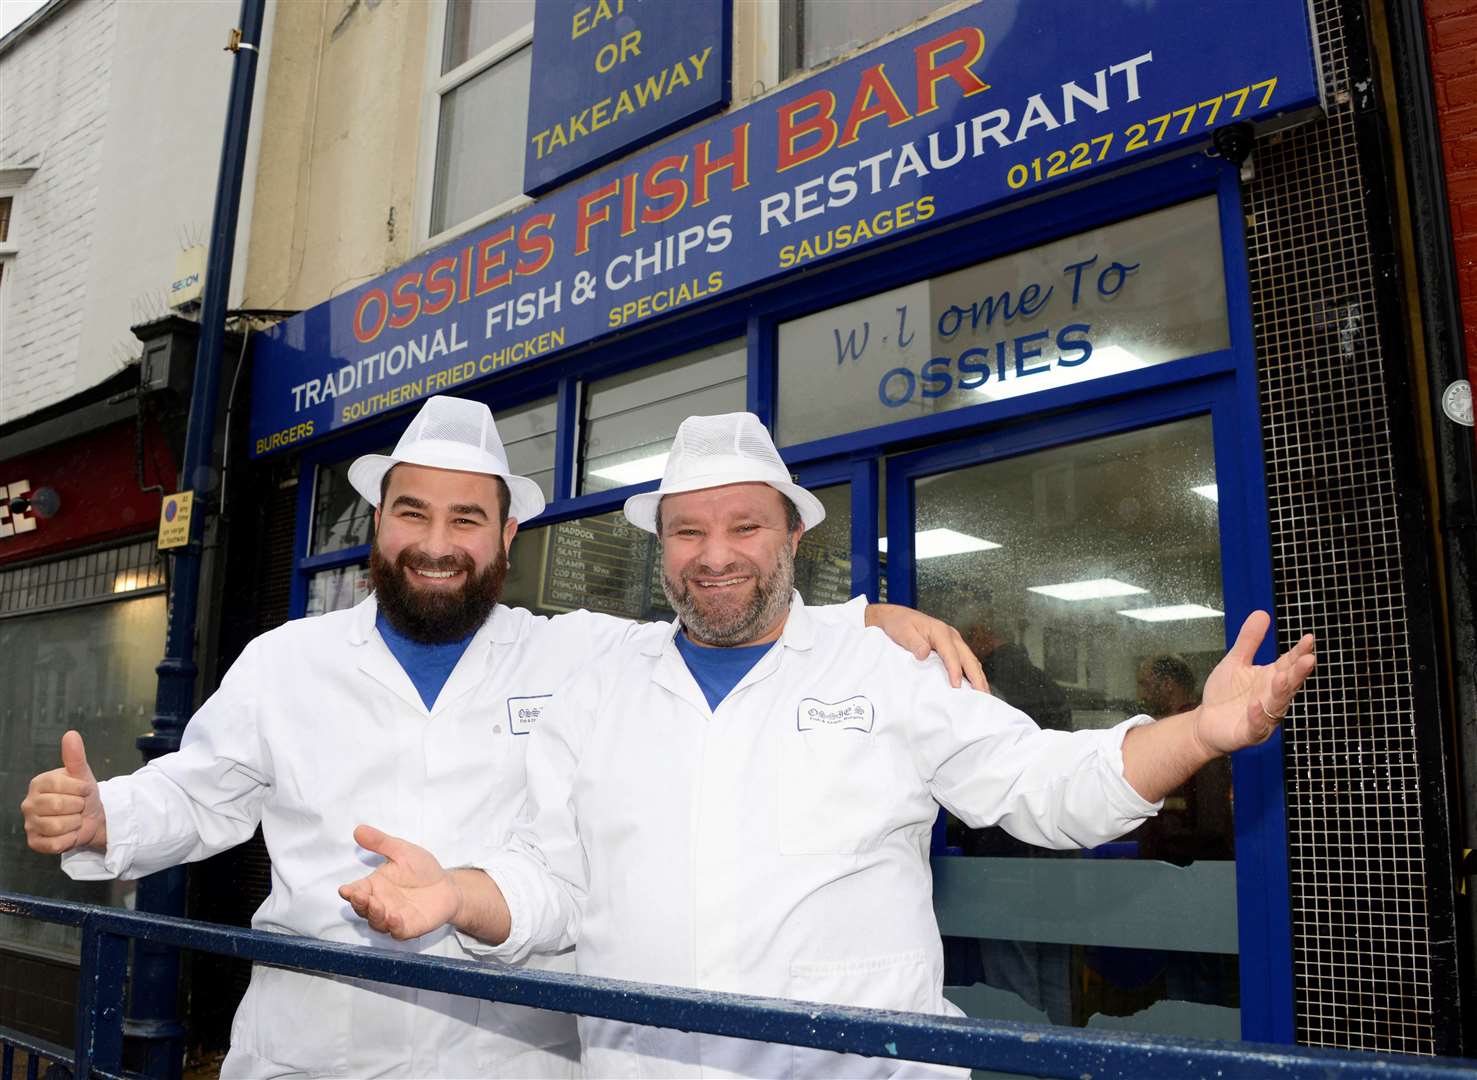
<point x="315" y="729"/>
<point x="779" y="844"/>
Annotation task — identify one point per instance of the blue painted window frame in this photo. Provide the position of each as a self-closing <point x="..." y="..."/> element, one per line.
<point x="1222" y="383"/>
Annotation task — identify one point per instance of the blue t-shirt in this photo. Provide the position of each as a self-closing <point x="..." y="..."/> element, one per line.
<point x="718" y="671"/>
<point x="429" y="666"/>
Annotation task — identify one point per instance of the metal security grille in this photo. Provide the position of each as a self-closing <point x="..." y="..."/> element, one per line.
<point x="1361" y="938"/>
<point x="81" y="579"/>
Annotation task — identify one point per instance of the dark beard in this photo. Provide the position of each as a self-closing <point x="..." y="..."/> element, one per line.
<point x="435" y="617"/>
<point x="770" y="601"/>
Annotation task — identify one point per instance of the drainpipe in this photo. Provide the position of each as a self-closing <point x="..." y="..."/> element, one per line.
<point x="153" y="1015"/>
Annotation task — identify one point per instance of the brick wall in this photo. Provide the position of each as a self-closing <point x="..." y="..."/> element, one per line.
<point x="56" y="105"/>
<point x="1451" y="28"/>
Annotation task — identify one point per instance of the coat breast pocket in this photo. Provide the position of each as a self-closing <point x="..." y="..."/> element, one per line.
<point x="834" y="787"/>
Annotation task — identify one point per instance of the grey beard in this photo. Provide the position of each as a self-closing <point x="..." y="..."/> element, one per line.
<point x="769" y="603"/>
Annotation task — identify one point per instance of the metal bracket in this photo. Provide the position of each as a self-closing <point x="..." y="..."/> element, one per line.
<point x="235" y="44"/>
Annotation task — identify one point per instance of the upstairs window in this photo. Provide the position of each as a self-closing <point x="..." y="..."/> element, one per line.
<point x="813" y="32"/>
<point x="479" y="111"/>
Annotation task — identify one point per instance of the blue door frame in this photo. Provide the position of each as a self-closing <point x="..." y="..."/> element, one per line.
<point x="1222" y="385"/>
<point x="1260" y="811"/>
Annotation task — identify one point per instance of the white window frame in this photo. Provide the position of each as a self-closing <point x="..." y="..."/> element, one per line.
<point x="12" y="185"/>
<point x="774" y="29"/>
<point x="436" y="87"/>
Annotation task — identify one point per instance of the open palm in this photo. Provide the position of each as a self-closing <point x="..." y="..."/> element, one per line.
<point x="409" y="895"/>
<point x="1243" y="701"/>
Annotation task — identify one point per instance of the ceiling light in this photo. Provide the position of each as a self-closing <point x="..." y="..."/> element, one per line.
<point x="932" y="543"/>
<point x="1173" y="613"/>
<point x="634" y="472"/>
<point x="1208" y="491"/>
<point x="1095" y="589"/>
<point x="1105" y="360"/>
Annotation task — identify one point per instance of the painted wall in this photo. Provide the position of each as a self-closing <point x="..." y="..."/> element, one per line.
<point x="1451" y="29"/>
<point x="336" y="175"/>
<point x="119" y="107"/>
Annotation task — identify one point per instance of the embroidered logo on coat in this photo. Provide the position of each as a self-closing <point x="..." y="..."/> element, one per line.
<point x="524" y="712"/>
<point x="854" y="714"/>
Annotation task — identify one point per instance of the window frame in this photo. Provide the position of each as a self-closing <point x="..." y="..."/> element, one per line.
<point x="435" y="87"/>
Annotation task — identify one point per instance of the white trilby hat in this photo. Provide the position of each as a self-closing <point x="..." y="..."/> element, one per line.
<point x="451" y="433"/>
<point x="711" y="451"/>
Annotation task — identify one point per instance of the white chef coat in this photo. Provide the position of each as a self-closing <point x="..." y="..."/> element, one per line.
<point x="777" y="845"/>
<point x="315" y="729"/>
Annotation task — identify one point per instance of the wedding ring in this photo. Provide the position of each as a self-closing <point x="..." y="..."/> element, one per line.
<point x="1269" y="716"/>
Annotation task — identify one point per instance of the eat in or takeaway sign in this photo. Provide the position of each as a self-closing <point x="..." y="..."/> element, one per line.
<point x="611" y="74"/>
<point x="1000" y="101"/>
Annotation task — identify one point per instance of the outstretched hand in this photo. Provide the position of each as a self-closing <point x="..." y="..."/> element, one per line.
<point x="410" y="894"/>
<point x="1243" y="702"/>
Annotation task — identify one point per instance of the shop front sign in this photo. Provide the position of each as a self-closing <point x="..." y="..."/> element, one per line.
<point x="999" y="102"/>
<point x="609" y="75"/>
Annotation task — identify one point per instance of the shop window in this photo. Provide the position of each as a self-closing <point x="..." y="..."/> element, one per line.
<point x="629" y="419"/>
<point x="88" y="668"/>
<point x="823" y="560"/>
<point x="480" y="110"/>
<point x="1119" y="298"/>
<point x="337" y="588"/>
<point x="530" y="436"/>
<point x="600" y="563"/>
<point x="1088" y="578"/>
<point x="341" y="518"/>
<point x="816" y="31"/>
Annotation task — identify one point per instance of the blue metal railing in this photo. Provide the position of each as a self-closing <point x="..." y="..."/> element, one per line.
<point x="1023" y="1049"/>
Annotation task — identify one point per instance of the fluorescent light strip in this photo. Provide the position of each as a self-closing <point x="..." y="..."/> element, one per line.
<point x="1094" y="589"/>
<point x="1105" y="360"/>
<point x="1208" y="491"/>
<point x="933" y="543"/>
<point x="1173" y="613"/>
<point x="634" y="472"/>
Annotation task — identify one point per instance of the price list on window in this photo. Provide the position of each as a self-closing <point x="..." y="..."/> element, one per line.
<point x="603" y="564"/>
<point x="599" y="564"/>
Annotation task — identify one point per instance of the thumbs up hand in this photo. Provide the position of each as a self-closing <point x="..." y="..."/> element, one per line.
<point x="62" y="809"/>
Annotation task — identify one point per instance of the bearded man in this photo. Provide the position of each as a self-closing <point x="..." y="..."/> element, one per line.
<point x="413" y="709"/>
<point x="744" y="801"/>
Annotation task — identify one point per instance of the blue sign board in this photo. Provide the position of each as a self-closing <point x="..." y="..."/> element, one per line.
<point x="998" y="102"/>
<point x="609" y="75"/>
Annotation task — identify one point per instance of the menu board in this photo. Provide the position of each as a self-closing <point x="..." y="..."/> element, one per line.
<point x="603" y="564"/>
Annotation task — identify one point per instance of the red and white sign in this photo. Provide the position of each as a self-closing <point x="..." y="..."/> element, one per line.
<point x="99" y="497"/>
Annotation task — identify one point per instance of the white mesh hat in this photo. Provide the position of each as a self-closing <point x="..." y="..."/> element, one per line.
<point x="711" y="451"/>
<point x="451" y="433"/>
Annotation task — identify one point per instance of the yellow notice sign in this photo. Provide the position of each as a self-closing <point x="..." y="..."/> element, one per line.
<point x="174" y="520"/>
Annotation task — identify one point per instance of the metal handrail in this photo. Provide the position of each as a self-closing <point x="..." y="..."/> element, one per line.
<point x="1024" y="1049"/>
